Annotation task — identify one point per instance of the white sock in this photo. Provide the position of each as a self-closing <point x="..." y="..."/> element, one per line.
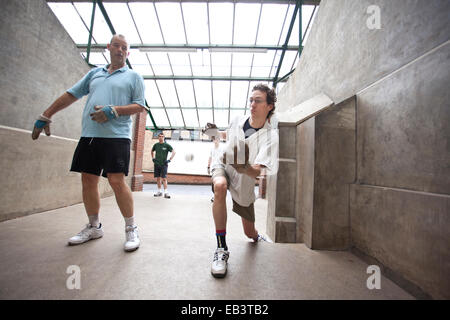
<point x="165" y="190"/>
<point x="129" y="221"/>
<point x="93" y="220"/>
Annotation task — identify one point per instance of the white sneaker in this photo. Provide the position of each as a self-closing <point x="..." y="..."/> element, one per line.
<point x="219" y="264"/>
<point x="158" y="194"/>
<point x="132" y="238"/>
<point x="166" y="195"/>
<point x="88" y="233"/>
<point x="262" y="238"/>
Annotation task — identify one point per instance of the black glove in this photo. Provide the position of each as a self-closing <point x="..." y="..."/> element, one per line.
<point x="154" y="161"/>
<point x="167" y="161"/>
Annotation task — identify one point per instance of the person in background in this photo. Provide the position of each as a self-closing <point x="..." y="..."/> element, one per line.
<point x="160" y="150"/>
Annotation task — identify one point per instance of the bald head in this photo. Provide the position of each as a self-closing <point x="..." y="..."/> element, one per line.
<point x="118" y="49"/>
<point x="120" y="37"/>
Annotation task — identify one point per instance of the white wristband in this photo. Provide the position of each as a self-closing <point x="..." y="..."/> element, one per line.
<point x="44" y="118"/>
<point x="115" y="111"/>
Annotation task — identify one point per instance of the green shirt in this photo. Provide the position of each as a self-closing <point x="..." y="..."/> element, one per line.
<point x="162" y="149"/>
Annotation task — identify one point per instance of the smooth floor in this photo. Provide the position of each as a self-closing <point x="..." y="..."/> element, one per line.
<point x="173" y="262"/>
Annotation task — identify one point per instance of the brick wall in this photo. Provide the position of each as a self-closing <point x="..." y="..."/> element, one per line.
<point x="176" y="178"/>
<point x="137" y="180"/>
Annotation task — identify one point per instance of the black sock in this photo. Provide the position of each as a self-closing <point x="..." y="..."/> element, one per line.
<point x="221" y="242"/>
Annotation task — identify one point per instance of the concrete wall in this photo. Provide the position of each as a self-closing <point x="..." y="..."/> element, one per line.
<point x="39" y="63"/>
<point x="397" y="79"/>
<point x="345" y="56"/>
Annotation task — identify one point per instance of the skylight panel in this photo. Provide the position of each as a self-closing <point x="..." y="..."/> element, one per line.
<point x="309" y="10"/>
<point x="160" y="63"/>
<point x="145" y="17"/>
<point x="205" y="116"/>
<point x="121" y="19"/>
<point x="246" y="23"/>
<point x="168" y="93"/>
<point x="293" y="40"/>
<point x="196" y="21"/>
<point x="221" y="22"/>
<point x="241" y="64"/>
<point x="287" y="24"/>
<point x="287" y="63"/>
<point x="175" y="117"/>
<point x="180" y="63"/>
<point x="203" y="93"/>
<point x="221" y="92"/>
<point x="238" y="94"/>
<point x="221" y="117"/>
<point x="221" y="64"/>
<point x="160" y="117"/>
<point x="101" y="31"/>
<point x="201" y="65"/>
<point x="272" y="17"/>
<point x="190" y="117"/>
<point x="151" y="94"/>
<point x="139" y="62"/>
<point x="71" y="21"/>
<point x="236" y="113"/>
<point x="171" y="22"/>
<point x="185" y="93"/>
<point x="97" y="58"/>
<point x="262" y="63"/>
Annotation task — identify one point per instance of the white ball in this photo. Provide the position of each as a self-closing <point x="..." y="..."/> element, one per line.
<point x="189" y="157"/>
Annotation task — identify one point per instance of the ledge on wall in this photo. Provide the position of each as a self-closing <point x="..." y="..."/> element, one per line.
<point x="305" y="110"/>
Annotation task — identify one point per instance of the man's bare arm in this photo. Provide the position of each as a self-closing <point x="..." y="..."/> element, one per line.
<point x="65" y="100"/>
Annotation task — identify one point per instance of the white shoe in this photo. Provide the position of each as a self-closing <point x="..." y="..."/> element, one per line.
<point x="166" y="195"/>
<point x="262" y="238"/>
<point x="132" y="238"/>
<point x="158" y="194"/>
<point x="88" y="233"/>
<point x="219" y="264"/>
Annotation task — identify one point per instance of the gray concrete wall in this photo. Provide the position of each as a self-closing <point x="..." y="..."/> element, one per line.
<point x="398" y="207"/>
<point x="334" y="171"/>
<point x="345" y="56"/>
<point x="39" y="63"/>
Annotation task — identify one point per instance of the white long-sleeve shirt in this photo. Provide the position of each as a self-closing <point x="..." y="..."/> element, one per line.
<point x="263" y="150"/>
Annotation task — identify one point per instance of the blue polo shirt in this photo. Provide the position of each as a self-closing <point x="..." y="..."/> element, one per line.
<point x="123" y="87"/>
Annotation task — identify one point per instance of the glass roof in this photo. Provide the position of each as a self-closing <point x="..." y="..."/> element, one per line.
<point x="199" y="59"/>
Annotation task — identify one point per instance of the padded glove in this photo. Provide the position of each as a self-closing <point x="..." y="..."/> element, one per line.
<point x="42" y="123"/>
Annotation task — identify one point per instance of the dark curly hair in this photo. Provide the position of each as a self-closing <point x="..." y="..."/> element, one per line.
<point x="270" y="93"/>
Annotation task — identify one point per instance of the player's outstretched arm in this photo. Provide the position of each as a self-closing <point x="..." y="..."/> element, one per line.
<point x="43" y="121"/>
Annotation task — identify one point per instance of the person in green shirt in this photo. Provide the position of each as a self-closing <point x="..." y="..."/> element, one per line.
<point x="161" y="163"/>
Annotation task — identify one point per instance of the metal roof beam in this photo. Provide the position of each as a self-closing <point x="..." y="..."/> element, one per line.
<point x="181" y="47"/>
<point x="298" y="6"/>
<point x="211" y="78"/>
<point x="307" y="2"/>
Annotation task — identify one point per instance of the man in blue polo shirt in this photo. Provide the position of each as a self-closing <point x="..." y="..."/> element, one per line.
<point x="115" y="92"/>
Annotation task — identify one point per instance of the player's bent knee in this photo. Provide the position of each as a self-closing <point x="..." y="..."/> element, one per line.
<point x="220" y="188"/>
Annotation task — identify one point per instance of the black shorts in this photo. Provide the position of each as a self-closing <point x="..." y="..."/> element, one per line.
<point x="102" y="156"/>
<point x="160" y="171"/>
